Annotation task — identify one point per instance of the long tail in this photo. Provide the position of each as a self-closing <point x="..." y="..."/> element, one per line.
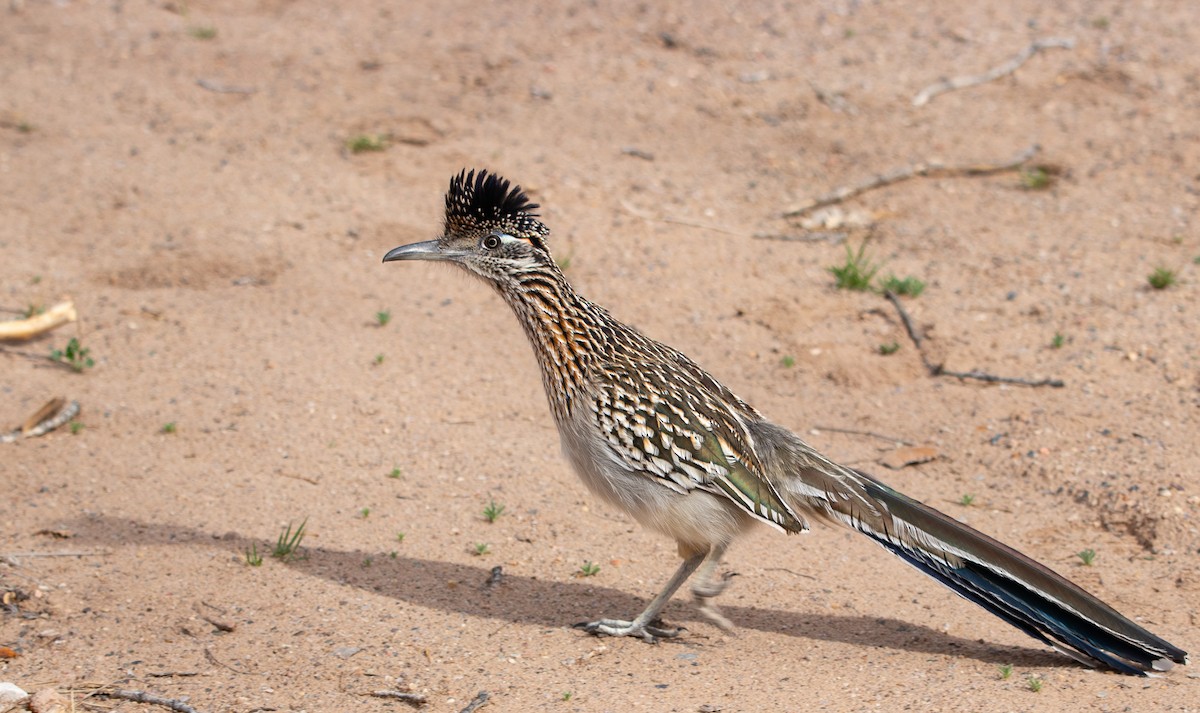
<point x="1010" y="585"/>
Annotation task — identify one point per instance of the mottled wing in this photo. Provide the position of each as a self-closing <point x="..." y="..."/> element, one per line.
<point x="658" y="426"/>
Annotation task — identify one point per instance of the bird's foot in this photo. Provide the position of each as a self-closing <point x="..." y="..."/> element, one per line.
<point x="650" y="632"/>
<point x="704" y="593"/>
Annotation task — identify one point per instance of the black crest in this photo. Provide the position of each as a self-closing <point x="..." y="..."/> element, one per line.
<point x="485" y="201"/>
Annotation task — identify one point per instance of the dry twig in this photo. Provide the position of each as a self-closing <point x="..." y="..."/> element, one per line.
<point x="939" y="370"/>
<point x="414" y="699"/>
<point x="143" y="697"/>
<point x="53" y="414"/>
<point x="948" y="85"/>
<point x="34" y="325"/>
<point x="219" y="88"/>
<point x="481" y="699"/>
<point x="924" y="168"/>
<point x="677" y="221"/>
<point x="871" y="434"/>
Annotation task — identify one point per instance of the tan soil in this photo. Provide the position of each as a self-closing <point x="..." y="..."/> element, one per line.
<point x="223" y="248"/>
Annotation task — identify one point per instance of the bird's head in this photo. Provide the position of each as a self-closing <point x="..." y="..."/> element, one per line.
<point x="491" y="230"/>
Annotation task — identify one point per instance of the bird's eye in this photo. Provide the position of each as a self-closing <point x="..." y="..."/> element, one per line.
<point x="491" y="242"/>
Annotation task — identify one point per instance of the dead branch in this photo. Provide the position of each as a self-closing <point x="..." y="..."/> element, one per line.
<point x="939" y="370"/>
<point x="924" y="168"/>
<point x="413" y="699"/>
<point x="480" y="700"/>
<point x="948" y="85"/>
<point x="34" y="325"/>
<point x="52" y="415"/>
<point x="143" y="697"/>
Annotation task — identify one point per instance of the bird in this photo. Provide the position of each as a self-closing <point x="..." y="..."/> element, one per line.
<point x="653" y="434"/>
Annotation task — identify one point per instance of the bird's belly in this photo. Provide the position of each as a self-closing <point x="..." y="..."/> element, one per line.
<point x="694" y="518"/>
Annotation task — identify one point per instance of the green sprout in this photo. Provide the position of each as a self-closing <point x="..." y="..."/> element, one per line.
<point x="482" y="548"/>
<point x="589" y="568"/>
<point x="1087" y="556"/>
<point x="1161" y="278"/>
<point x="202" y="32"/>
<point x="289" y="541"/>
<point x="362" y="143"/>
<point x="857" y="272"/>
<point x="73" y="355"/>
<point x="911" y="286"/>
<point x="253" y="558"/>
<point x="382" y="317"/>
<point x="492" y="511"/>
<point x="889" y="348"/>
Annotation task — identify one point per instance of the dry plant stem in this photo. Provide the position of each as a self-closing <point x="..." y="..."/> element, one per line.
<point x="143" y="697"/>
<point x="924" y="168"/>
<point x="939" y="370"/>
<point x="677" y="221"/>
<point x="948" y="85"/>
<point x="220" y="88"/>
<point x="66" y="412"/>
<point x="56" y="316"/>
<point x="480" y="700"/>
<point x="871" y="434"/>
<point x="415" y="699"/>
<point x="13" y="556"/>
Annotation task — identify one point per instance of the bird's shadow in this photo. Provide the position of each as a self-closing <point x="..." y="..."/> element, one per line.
<point x="464" y="589"/>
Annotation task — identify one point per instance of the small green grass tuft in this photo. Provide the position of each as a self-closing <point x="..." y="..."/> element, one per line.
<point x="399" y="537"/>
<point x="378" y="359"/>
<point x="788" y="361"/>
<point x="1006" y="671"/>
<point x="364" y="513"/>
<point x="366" y="561"/>
<point x="288" y="544"/>
<point x="481" y="548"/>
<point x="364" y="143"/>
<point x="967" y="500"/>
<point x="393" y="554"/>
<point x="566" y="695"/>
<point x="76" y="427"/>
<point x="1161" y="278"/>
<point x="492" y="511"/>
<point x="396" y="472"/>
<point x="911" y="286"/>
<point x="202" y="32"/>
<point x="889" y="348"/>
<point x="253" y="558"/>
<point x="857" y="272"/>
<point x="589" y="568"/>
<point x="1058" y="341"/>
<point x="382" y="317"/>
<point x="168" y="427"/>
<point x="1036" y="178"/>
<point x="1034" y="683"/>
<point x="74" y="355"/>
<point x="1087" y="556"/>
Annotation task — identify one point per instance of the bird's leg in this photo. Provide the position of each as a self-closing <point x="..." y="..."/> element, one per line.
<point x="707" y="586"/>
<point x="643" y="625"/>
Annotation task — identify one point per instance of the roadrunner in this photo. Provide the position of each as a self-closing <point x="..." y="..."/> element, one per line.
<point x="655" y="435"/>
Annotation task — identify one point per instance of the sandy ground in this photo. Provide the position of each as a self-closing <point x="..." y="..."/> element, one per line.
<point x="181" y="170"/>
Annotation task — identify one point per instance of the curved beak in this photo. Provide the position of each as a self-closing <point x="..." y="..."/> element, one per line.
<point x="428" y="250"/>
